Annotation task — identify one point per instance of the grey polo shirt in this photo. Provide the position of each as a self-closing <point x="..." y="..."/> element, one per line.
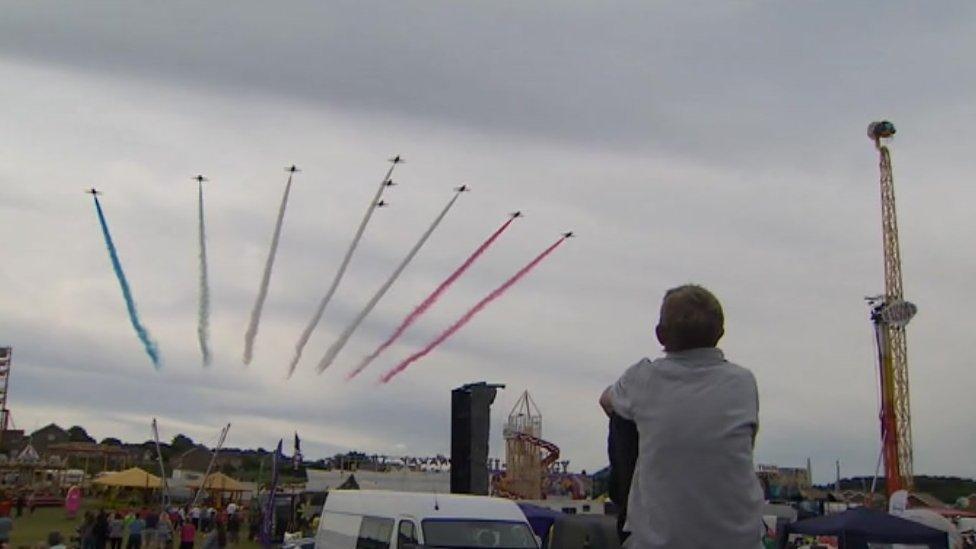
<point x="695" y="485"/>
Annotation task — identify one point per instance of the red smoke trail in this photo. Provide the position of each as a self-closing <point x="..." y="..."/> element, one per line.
<point x="431" y="299"/>
<point x="495" y="294"/>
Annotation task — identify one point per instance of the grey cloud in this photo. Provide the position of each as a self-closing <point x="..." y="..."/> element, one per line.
<point x="722" y="145"/>
<point x="691" y="78"/>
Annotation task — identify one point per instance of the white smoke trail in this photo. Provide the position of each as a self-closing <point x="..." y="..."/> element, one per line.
<point x="203" y="316"/>
<point x="252" y="327"/>
<point x="341" y="341"/>
<point x="320" y="310"/>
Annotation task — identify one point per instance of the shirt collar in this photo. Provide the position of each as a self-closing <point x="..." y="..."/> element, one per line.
<point x="701" y="355"/>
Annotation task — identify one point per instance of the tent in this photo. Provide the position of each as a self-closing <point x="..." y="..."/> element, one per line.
<point x="349" y="484"/>
<point x="932" y="519"/>
<point x="130" y="478"/>
<point x="575" y="531"/>
<point x="219" y="482"/>
<point x="540" y="519"/>
<point x="856" y="528"/>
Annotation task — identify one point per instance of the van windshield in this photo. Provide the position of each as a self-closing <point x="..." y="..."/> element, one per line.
<point x="477" y="533"/>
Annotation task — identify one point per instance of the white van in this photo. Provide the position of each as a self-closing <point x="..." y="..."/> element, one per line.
<point x="377" y="519"/>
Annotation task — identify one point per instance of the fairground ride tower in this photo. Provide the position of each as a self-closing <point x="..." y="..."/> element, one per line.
<point x="890" y="313"/>
<point x="523" y="461"/>
<point x="6" y="357"/>
<point x="526" y="466"/>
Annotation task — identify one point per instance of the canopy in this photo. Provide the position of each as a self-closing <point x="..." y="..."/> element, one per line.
<point x="856" y="528"/>
<point x="349" y="484"/>
<point x="574" y="531"/>
<point x="540" y="519"/>
<point x="219" y="482"/>
<point x="932" y="519"/>
<point x="130" y="478"/>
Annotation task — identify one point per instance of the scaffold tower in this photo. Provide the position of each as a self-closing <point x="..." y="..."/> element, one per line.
<point x="6" y="358"/>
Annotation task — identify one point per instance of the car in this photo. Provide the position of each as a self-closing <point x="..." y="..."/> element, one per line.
<point x="380" y="519"/>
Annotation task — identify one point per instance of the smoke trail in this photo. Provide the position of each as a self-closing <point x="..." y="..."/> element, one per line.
<point x="495" y="294"/>
<point x="130" y="304"/>
<point x="203" y="312"/>
<point x="430" y="300"/>
<point x="343" y="338"/>
<point x="252" y="327"/>
<point x="320" y="310"/>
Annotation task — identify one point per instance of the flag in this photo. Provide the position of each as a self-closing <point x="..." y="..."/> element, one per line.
<point x="296" y="458"/>
<point x="268" y="522"/>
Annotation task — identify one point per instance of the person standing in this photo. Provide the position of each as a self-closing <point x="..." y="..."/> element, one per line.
<point x="149" y="532"/>
<point x="6" y="527"/>
<point x="164" y="531"/>
<point x="129" y="518"/>
<point x="188" y="534"/>
<point x="233" y="528"/>
<point x="697" y="415"/>
<point x="100" y="530"/>
<point x="21" y="501"/>
<point x="86" y="532"/>
<point x="115" y="530"/>
<point x="136" y="528"/>
<point x="217" y="538"/>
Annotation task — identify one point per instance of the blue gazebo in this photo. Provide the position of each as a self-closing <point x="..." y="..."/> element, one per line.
<point x="856" y="528"/>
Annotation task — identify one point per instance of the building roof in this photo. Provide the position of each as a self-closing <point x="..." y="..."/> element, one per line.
<point x="50" y="426"/>
<point x="86" y="448"/>
<point x="28" y="454"/>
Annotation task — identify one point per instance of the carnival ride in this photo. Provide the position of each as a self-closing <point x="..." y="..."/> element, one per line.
<point x="529" y="459"/>
<point x="890" y="313"/>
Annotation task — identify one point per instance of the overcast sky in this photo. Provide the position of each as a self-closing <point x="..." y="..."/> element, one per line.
<point x="718" y="143"/>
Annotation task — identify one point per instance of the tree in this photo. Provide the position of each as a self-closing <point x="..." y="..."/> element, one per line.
<point x="78" y="434"/>
<point x="111" y="441"/>
<point x="182" y="443"/>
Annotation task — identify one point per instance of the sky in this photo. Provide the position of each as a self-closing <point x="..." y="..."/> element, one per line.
<point x="716" y="143"/>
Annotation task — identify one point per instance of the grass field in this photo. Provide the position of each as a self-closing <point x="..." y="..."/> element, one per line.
<point x="29" y="530"/>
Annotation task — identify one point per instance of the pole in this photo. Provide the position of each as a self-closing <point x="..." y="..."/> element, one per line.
<point x="837" y="482"/>
<point x="213" y="459"/>
<point x="268" y="517"/>
<point x="162" y="466"/>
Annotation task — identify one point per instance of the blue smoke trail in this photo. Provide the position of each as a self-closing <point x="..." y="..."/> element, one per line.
<point x="130" y="304"/>
<point x="203" y="321"/>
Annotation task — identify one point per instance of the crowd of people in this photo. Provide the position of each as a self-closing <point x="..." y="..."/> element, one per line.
<point x="152" y="529"/>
